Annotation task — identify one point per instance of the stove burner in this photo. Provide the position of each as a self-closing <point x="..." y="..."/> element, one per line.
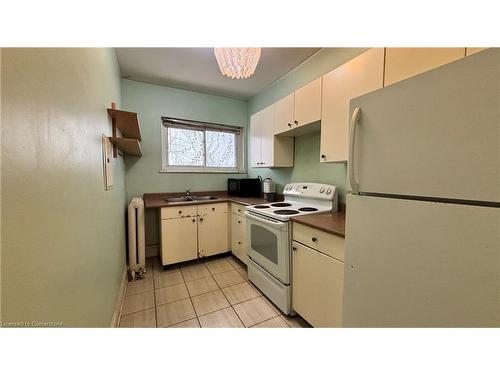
<point x="285" y="212"/>
<point x="308" y="209"/>
<point x="283" y="204"/>
<point x="260" y="206"/>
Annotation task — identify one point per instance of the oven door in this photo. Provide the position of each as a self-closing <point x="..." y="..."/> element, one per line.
<point x="268" y="245"/>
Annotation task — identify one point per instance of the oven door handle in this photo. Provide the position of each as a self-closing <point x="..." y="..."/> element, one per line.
<point x="274" y="224"/>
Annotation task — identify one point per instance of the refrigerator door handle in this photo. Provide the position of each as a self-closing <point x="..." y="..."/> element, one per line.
<point x="350" y="162"/>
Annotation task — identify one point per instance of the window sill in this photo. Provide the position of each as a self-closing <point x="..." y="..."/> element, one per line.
<point x="200" y="171"/>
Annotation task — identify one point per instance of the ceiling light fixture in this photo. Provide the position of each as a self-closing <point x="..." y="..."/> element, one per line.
<point x="237" y="62"/>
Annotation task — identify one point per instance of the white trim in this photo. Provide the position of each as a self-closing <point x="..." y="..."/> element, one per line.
<point x="115" y="319"/>
<point x="240" y="156"/>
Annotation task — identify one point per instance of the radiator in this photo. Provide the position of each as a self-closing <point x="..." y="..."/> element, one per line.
<point x="136" y="241"/>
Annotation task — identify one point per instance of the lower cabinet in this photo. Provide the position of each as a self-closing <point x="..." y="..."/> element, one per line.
<point x="238" y="237"/>
<point x="192" y="232"/>
<point x="179" y="240"/>
<point x="213" y="233"/>
<point x="317" y="286"/>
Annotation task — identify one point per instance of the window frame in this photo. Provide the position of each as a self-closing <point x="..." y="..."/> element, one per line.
<point x="239" y="132"/>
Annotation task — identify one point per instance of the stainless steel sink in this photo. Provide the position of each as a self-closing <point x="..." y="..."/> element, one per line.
<point x="179" y="199"/>
<point x="187" y="198"/>
<point x="203" y="198"/>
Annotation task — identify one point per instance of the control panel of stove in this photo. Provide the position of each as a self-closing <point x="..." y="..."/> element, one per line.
<point x="310" y="189"/>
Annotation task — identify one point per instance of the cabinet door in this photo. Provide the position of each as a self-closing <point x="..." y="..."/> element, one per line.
<point x="308" y="103"/>
<point x="267" y="136"/>
<point x="255" y="139"/>
<point x="359" y="76"/>
<point x="284" y="114"/>
<point x="178" y="240"/>
<point x="402" y="63"/>
<point x="317" y="286"/>
<point x="238" y="237"/>
<point x="213" y="234"/>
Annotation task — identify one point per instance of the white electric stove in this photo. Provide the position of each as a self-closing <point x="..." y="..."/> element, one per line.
<point x="269" y="236"/>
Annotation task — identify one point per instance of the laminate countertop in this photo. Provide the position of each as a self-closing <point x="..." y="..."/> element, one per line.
<point x="158" y="200"/>
<point x="333" y="222"/>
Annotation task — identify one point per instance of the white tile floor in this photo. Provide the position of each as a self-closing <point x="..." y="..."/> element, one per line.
<point x="205" y="293"/>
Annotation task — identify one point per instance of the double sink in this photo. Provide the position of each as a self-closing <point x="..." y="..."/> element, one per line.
<point x="190" y="198"/>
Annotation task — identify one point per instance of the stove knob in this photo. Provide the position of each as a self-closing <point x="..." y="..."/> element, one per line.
<point x="322" y="190"/>
<point x="328" y="191"/>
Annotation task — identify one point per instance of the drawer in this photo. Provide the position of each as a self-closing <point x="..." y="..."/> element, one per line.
<point x="178" y="212"/>
<point x="238" y="209"/>
<point x="212" y="208"/>
<point x="324" y="242"/>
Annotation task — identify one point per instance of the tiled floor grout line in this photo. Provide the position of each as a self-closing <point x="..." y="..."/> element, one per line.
<point x="154" y="296"/>
<point x="277" y="316"/>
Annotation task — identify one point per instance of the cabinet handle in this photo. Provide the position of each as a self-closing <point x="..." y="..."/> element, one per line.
<point x="323" y="156"/>
<point x="239" y="222"/>
<point x="314" y="239"/>
<point x="213" y="208"/>
<point x="194" y="220"/>
<point x="201" y="219"/>
<point x="289" y="125"/>
<point x="296" y="122"/>
<point x="294" y="248"/>
<point x="263" y="162"/>
<point x="239" y="242"/>
<point x="180" y="212"/>
<point x="239" y="210"/>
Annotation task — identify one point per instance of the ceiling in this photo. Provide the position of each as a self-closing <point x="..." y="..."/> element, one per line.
<point x="196" y="69"/>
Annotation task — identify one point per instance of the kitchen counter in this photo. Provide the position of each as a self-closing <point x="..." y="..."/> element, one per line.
<point x="333" y="223"/>
<point x="157" y="200"/>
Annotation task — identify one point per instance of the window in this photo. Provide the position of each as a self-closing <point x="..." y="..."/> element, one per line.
<point x="190" y="146"/>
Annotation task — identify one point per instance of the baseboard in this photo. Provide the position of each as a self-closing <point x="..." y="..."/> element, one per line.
<point x="115" y="320"/>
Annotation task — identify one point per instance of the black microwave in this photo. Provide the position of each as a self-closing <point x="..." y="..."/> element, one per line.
<point x="244" y="187"/>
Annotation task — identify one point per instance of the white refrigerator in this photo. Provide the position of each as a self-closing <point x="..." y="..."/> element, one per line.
<point x="423" y="211"/>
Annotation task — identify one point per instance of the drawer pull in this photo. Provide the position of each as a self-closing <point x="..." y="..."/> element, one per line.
<point x="239" y="242"/>
<point x="201" y="219"/>
<point x="314" y="239"/>
<point x="213" y="208"/>
<point x="194" y="220"/>
<point x="294" y="248"/>
<point x="239" y="222"/>
<point x="180" y="212"/>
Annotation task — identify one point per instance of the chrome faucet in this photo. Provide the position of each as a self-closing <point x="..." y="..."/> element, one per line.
<point x="188" y="192"/>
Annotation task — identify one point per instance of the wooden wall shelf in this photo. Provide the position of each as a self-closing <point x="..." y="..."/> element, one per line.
<point x="128" y="125"/>
<point x="128" y="146"/>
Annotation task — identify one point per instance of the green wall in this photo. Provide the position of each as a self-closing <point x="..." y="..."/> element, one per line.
<point x="63" y="235"/>
<point x="307" y="147"/>
<point x="152" y="102"/>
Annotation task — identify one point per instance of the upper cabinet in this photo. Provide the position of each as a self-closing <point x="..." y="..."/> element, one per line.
<point x="299" y="108"/>
<point x="307" y="107"/>
<point x="472" y="50"/>
<point x="266" y="150"/>
<point x="402" y="63"/>
<point x="284" y="114"/>
<point x="358" y="76"/>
